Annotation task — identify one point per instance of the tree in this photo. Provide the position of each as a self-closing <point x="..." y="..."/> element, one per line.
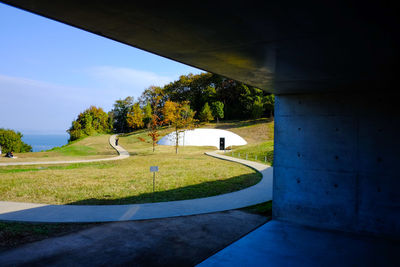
<point x="120" y="111"/>
<point x="92" y="120"/>
<point x="269" y="103"/>
<point x="154" y="124"/>
<point x="10" y="141"/>
<point x="257" y="108"/>
<point x="206" y="114"/>
<point x="153" y="129"/>
<point x="218" y="110"/>
<point x="153" y="95"/>
<point x="147" y="114"/>
<point x="169" y="112"/>
<point x="197" y="89"/>
<point x="181" y="118"/>
<point x="135" y="117"/>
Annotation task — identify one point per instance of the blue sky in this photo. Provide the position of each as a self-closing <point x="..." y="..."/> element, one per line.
<point x="49" y="72"/>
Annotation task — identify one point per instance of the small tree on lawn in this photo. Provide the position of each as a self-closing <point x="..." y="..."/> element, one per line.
<point x="154" y="124"/>
<point x="206" y="114"/>
<point x="218" y="110"/>
<point x="153" y="129"/>
<point x="182" y="118"/>
<point x="187" y="118"/>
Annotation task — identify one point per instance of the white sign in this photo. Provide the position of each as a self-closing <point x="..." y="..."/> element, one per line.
<point x="153" y="168"/>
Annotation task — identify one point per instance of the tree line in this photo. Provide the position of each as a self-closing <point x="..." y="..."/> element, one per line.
<point x="10" y="141"/>
<point x="190" y="99"/>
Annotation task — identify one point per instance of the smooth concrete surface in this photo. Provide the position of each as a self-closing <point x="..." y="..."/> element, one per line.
<point x="180" y="241"/>
<point x="29" y="212"/>
<point x="123" y="154"/>
<point x="279" y="244"/>
<point x="336" y="162"/>
<point x="282" y="46"/>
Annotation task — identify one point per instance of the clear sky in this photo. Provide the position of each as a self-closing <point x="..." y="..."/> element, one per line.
<point x="50" y="72"/>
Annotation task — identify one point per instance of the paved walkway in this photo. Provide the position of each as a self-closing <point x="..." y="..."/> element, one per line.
<point x="261" y="192"/>
<point x="123" y="154"/>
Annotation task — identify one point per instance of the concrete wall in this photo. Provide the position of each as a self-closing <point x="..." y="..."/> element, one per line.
<point x="337" y="159"/>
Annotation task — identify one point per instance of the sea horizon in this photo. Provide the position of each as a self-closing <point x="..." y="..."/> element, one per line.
<point x="43" y="142"/>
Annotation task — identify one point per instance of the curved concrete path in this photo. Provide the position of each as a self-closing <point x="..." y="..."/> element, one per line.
<point x="121" y="151"/>
<point x="261" y="192"/>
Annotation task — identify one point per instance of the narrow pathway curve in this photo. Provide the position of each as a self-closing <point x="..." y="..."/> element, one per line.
<point x="121" y="151"/>
<point x="258" y="193"/>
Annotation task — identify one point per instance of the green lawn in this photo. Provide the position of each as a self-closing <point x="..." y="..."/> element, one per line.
<point x="259" y="135"/>
<point x="262" y="152"/>
<point x="88" y="148"/>
<point x="186" y="175"/>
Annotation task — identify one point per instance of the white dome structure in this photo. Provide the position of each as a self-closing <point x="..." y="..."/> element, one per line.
<point x="203" y="137"/>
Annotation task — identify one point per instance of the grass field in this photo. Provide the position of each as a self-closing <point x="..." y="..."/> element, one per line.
<point x="189" y="174"/>
<point x="259" y="135"/>
<point x="88" y="148"/>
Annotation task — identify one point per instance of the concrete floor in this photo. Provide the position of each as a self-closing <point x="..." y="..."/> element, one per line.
<point x="282" y="244"/>
<point x="181" y="241"/>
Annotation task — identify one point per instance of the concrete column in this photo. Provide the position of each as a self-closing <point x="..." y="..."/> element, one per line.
<point x="337" y="160"/>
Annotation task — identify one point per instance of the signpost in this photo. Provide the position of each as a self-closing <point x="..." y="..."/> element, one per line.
<point x="154" y="169"/>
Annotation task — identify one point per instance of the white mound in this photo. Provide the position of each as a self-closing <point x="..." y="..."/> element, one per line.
<point x="203" y="137"/>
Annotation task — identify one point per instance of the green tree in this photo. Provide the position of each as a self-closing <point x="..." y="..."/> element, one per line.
<point x="153" y="95"/>
<point x="91" y="121"/>
<point x="147" y="114"/>
<point x="218" y="110"/>
<point x="206" y="114"/>
<point x="120" y="111"/>
<point x="135" y="117"/>
<point x="10" y="141"/>
<point x="269" y="103"/>
<point x="197" y="89"/>
<point x="257" y="108"/>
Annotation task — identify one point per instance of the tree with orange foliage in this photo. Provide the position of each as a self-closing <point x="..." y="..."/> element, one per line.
<point x="169" y="112"/>
<point x="153" y="129"/>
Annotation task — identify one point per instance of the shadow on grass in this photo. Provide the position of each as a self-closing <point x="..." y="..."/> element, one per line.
<point x="205" y="189"/>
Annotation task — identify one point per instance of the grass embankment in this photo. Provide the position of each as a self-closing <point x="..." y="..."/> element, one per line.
<point x="88" y="148"/>
<point x="259" y="135"/>
<point x="189" y="174"/>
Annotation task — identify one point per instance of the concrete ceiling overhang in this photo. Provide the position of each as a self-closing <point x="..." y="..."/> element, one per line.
<point x="280" y="46"/>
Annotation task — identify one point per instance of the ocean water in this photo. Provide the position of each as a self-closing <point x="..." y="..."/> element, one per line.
<point x="42" y="142"/>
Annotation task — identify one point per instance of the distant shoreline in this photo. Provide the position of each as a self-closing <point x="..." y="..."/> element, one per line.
<point x="43" y="142"/>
